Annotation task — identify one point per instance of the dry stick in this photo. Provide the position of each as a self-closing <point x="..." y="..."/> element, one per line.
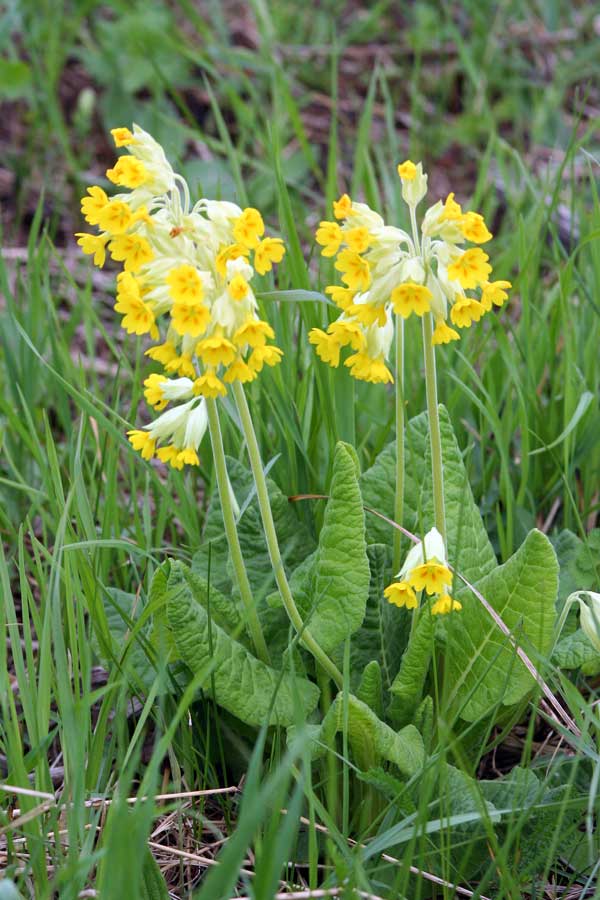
<point x="567" y="722"/>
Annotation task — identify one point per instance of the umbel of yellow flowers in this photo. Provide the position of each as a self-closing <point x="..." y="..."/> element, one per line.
<point x="425" y="569"/>
<point x="385" y="271"/>
<point x="189" y="267"/>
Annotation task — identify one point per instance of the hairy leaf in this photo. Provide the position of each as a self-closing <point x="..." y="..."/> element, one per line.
<point x="408" y="685"/>
<point x="242" y="684"/>
<point x="295" y="540"/>
<point x="481" y="666"/>
<point x="341" y="577"/>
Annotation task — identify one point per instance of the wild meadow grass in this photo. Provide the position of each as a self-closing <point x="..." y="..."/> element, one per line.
<point x="283" y="108"/>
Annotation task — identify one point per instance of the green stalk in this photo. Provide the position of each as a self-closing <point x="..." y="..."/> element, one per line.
<point x="399" y="496"/>
<point x="264" y="504"/>
<point x="437" y="467"/>
<point x="235" y="551"/>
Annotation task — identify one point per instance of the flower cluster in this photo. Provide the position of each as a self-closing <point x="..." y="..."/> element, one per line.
<point x="190" y="266"/>
<point x="385" y="271"/>
<point x="425" y="569"/>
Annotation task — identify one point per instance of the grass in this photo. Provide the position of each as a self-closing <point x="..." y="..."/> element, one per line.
<point x="282" y="107"/>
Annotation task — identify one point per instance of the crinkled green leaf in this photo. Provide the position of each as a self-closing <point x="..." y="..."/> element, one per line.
<point x="129" y="646"/>
<point x="370" y="689"/>
<point x="295" y="540"/>
<point x="469" y="547"/>
<point x="371" y="740"/>
<point x="243" y="685"/>
<point x="341" y="577"/>
<point x="407" y="688"/>
<point x="383" y="634"/>
<point x="481" y="667"/>
<point x="576" y="651"/>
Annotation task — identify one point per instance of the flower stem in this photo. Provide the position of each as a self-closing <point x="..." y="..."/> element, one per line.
<point x="437" y="468"/>
<point x="399" y="496"/>
<point x="262" y="494"/>
<point x="235" y="551"/>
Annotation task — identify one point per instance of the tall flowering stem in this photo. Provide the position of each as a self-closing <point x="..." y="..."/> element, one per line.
<point x="233" y="541"/>
<point x="399" y="494"/>
<point x="187" y="285"/>
<point x="389" y="275"/>
<point x="264" y="504"/>
<point x="435" y="437"/>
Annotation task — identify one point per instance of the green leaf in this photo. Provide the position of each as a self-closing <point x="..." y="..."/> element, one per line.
<point x="370" y="689"/>
<point x="341" y="578"/>
<point x="153" y="884"/>
<point x="295" y="540"/>
<point x="582" y="407"/>
<point x="576" y="651"/>
<point x="299" y="296"/>
<point x="15" y="79"/>
<point x="481" y="666"/>
<point x="371" y="739"/>
<point x="128" y="646"/>
<point x="385" y="628"/>
<point x="242" y="684"/>
<point x="408" y="685"/>
<point x="469" y="548"/>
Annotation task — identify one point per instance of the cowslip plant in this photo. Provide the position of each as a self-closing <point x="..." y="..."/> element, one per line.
<point x="315" y="611"/>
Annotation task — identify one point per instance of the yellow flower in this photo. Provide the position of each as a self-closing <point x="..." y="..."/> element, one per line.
<point x="431" y="576"/>
<point x="168" y="454"/>
<point x="465" y="311"/>
<point x="183" y="365"/>
<point x="132" y="250"/>
<point x="445" y="604"/>
<point x="357" y="239"/>
<point x="141" y="440"/>
<point x="342" y="207"/>
<point x="232" y="251"/>
<point x="187" y="457"/>
<point x="216" y="350"/>
<point x="474" y="228"/>
<point x="238" y="288"/>
<point x="410" y="297"/>
<point x="190" y="318"/>
<point x="128" y="172"/>
<point x="138" y="318"/>
<point x="185" y="284"/>
<point x="208" y="385"/>
<point x="114" y="217"/>
<point x="401" y="594"/>
<point x="253" y="332"/>
<point x="92" y="206"/>
<point x="471" y="268"/>
<point x="239" y="371"/>
<point x="327" y="345"/>
<point x="154" y="393"/>
<point x="329" y="236"/>
<point x="341" y="296"/>
<point x="443" y="334"/>
<point x="270" y="250"/>
<point x="451" y="211"/>
<point x="346" y="332"/>
<point x="366" y="368"/>
<point x="367" y="313"/>
<point x="122" y="137"/>
<point x="407" y="170"/>
<point x="494" y="292"/>
<point x="355" y="269"/>
<point x="163" y="353"/>
<point x="93" y="244"/>
<point x="264" y="356"/>
<point x="249" y="228"/>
